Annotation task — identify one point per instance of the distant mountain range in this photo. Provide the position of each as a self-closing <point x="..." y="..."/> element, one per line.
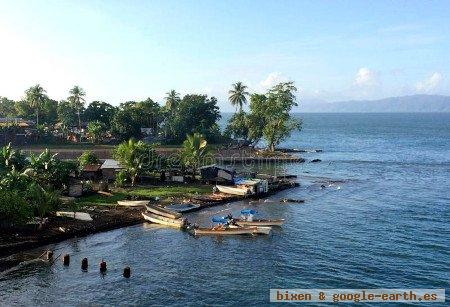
<point x="413" y="103"/>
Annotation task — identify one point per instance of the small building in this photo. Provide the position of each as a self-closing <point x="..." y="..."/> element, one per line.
<point x="217" y="173"/>
<point x="92" y="172"/>
<point x="109" y="169"/>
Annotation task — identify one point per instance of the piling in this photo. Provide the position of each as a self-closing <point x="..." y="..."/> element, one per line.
<point x="103" y="266"/>
<point x="66" y="259"/>
<point x="49" y="255"/>
<point x="84" y="264"/>
<point x="127" y="272"/>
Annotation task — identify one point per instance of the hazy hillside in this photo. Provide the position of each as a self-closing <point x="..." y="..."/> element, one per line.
<point x="414" y="103"/>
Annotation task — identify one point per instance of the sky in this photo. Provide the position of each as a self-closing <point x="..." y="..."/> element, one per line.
<point x="130" y="50"/>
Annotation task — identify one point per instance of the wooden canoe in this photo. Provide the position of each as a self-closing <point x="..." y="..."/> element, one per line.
<point x="261" y="222"/>
<point x="262" y="230"/>
<point x="157" y="219"/>
<point x="132" y="203"/>
<point x="225" y="231"/>
<point x="162" y="211"/>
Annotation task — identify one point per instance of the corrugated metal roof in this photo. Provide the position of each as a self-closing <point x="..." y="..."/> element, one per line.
<point x="111" y="163"/>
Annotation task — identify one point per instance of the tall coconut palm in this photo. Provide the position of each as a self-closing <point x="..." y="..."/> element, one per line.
<point x="194" y="152"/>
<point x="35" y="97"/>
<point x="237" y="95"/>
<point x="76" y="99"/>
<point x="172" y="100"/>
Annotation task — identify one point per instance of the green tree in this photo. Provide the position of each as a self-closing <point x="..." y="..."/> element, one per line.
<point x="100" y="111"/>
<point x="132" y="116"/>
<point x="76" y="99"/>
<point x="7" y="107"/>
<point x="35" y="97"/>
<point x="86" y="158"/>
<point x="67" y="116"/>
<point x="238" y="126"/>
<point x="196" y="114"/>
<point x="96" y="130"/>
<point x="278" y="122"/>
<point x="194" y="152"/>
<point x="172" y="100"/>
<point x="237" y="95"/>
<point x="136" y="157"/>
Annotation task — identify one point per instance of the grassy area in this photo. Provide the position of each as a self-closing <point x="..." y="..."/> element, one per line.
<point x="146" y="192"/>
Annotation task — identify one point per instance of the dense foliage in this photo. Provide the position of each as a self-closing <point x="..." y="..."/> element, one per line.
<point x="30" y="187"/>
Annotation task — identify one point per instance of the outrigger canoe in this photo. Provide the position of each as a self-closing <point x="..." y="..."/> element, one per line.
<point x="162" y="211"/>
<point x="242" y="222"/>
<point x="157" y="219"/>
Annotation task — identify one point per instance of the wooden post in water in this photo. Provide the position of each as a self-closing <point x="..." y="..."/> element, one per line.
<point x="49" y="255"/>
<point x="127" y="272"/>
<point x="66" y="259"/>
<point x="103" y="266"/>
<point x="84" y="264"/>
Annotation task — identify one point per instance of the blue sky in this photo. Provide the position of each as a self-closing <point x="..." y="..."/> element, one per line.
<point x="129" y="50"/>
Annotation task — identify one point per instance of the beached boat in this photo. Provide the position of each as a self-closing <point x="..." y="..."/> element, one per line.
<point x="132" y="203"/>
<point x="157" y="219"/>
<point x="183" y="208"/>
<point x="259" y="222"/>
<point x="242" y="191"/>
<point x="162" y="211"/>
<point x="82" y="216"/>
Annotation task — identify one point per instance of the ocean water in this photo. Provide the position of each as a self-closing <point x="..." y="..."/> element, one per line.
<point x="377" y="215"/>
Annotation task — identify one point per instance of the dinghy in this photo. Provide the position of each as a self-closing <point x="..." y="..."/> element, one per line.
<point x="162" y="211"/>
<point x="157" y="219"/>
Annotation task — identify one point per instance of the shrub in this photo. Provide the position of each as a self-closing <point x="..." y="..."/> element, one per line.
<point x="14" y="209"/>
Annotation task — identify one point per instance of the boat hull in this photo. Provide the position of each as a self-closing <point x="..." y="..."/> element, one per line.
<point x="163" y="212"/>
<point x="132" y="203"/>
<point x="241" y="222"/>
<point x="224" y="232"/>
<point x="153" y="218"/>
<point x="232" y="190"/>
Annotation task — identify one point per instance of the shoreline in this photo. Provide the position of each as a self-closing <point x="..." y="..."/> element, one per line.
<point x="106" y="218"/>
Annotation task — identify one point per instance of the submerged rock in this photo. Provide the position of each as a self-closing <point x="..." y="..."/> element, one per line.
<point x="315" y="161"/>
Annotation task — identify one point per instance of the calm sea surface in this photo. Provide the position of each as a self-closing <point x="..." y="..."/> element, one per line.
<point x="382" y="221"/>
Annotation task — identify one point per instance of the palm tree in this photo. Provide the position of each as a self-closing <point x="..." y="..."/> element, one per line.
<point x="237" y="95"/>
<point x="194" y="150"/>
<point x="172" y="100"/>
<point x="133" y="156"/>
<point x="76" y="98"/>
<point x="35" y="97"/>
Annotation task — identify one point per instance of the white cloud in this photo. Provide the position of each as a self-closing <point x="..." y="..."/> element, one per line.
<point x="273" y="79"/>
<point x="366" y="77"/>
<point x="429" y="84"/>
